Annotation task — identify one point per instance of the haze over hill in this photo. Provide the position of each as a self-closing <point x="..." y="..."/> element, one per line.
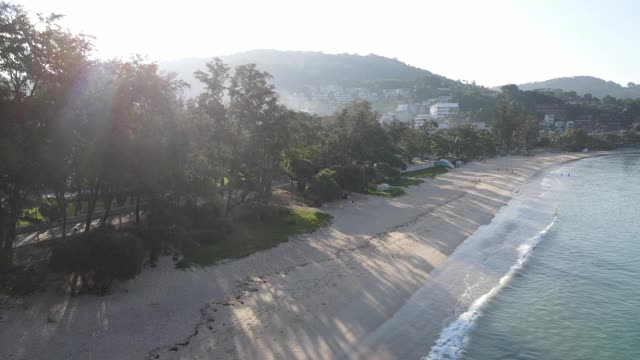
<point x="293" y="70"/>
<point x="298" y="73"/>
<point x="586" y="85"/>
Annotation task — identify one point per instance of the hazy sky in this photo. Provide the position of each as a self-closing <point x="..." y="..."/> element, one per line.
<point x="491" y="42"/>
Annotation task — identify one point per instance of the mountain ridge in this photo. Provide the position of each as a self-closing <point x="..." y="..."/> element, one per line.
<point x="293" y="70"/>
<point x="585" y="84"/>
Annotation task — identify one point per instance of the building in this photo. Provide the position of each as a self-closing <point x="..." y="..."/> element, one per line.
<point x="397" y="93"/>
<point x="361" y="94"/>
<point x="387" y="117"/>
<point x="443" y="124"/>
<point x="570" y="125"/>
<point x="609" y="123"/>
<point x="404" y="112"/>
<point x="443" y="110"/>
<point x="549" y="120"/>
<point x="585" y="122"/>
<point x="549" y="114"/>
<point x="480" y="126"/>
<point x="420" y="119"/>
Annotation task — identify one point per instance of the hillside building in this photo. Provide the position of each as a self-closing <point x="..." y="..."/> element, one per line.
<point x="443" y="110"/>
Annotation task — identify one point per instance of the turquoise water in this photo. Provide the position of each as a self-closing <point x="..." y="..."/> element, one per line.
<point x="577" y="295"/>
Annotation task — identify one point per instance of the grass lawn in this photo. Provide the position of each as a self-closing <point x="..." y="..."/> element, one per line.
<point x="245" y="238"/>
<point x="429" y="172"/>
<point x="407" y="181"/>
<point x="33" y="213"/>
<point x="396" y="187"/>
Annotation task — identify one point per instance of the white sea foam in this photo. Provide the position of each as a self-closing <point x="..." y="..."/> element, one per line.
<point x="453" y="338"/>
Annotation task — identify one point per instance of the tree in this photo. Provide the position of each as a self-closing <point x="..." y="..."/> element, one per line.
<point x="405" y="138"/>
<point x="253" y="105"/>
<point x="297" y="165"/>
<point x="39" y="64"/>
<point x="355" y="136"/>
<point x="442" y="144"/>
<point x="512" y="127"/>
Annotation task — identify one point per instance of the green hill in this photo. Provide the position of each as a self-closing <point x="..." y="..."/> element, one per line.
<point x="586" y="85"/>
<point x="293" y="71"/>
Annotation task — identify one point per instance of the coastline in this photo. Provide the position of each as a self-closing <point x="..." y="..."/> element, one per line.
<point x="321" y="295"/>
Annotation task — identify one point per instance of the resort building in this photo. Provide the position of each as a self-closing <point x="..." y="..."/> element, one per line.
<point x="443" y="110"/>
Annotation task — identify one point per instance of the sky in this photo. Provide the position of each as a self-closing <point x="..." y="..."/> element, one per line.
<point x="492" y="42"/>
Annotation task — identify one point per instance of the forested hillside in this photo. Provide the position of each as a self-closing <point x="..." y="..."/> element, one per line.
<point x="294" y="70"/>
<point x="587" y="85"/>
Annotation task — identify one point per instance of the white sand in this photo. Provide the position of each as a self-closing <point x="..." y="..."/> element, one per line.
<point x="320" y="296"/>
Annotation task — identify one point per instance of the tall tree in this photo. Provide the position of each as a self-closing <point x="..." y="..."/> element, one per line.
<point x="39" y="65"/>
<point x="263" y="124"/>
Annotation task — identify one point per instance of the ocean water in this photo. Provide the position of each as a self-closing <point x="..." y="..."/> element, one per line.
<point x="556" y="275"/>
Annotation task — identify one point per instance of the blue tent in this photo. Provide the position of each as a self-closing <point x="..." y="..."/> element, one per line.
<point x="444" y="163"/>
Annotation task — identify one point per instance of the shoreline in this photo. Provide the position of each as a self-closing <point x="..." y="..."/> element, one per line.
<point x="320" y="295"/>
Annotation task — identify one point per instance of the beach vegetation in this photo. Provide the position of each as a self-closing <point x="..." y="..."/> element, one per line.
<point x="246" y="236"/>
<point x="92" y="261"/>
<point x="324" y="187"/>
<point x="407" y="181"/>
<point x="431" y="172"/>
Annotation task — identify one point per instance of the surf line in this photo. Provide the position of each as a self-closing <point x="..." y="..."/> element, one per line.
<point x="454" y="337"/>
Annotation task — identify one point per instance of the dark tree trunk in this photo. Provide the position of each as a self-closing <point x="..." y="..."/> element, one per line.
<point x="137" y="209"/>
<point x="265" y="186"/>
<point x="64" y="223"/>
<point x="301" y="185"/>
<point x="6" y="252"/>
<point x="227" y="208"/>
<point x="78" y="202"/>
<point x="91" y="206"/>
<point x="8" y="223"/>
<point x="62" y="204"/>
<point x="107" y="207"/>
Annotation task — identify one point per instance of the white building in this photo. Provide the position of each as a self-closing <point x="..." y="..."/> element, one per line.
<point x="387" y="117"/>
<point x="479" y="126"/>
<point x="403" y="112"/>
<point x="443" y="110"/>
<point x="398" y="93"/>
<point x="443" y="124"/>
<point x="549" y="120"/>
<point x="420" y="119"/>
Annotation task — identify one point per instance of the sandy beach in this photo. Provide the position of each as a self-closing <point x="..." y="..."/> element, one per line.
<point x="326" y="295"/>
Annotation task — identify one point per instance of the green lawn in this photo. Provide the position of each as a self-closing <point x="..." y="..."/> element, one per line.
<point x="245" y="238"/>
<point x="396" y="187"/>
<point x="31" y="213"/>
<point x="407" y="181"/>
<point x="430" y="172"/>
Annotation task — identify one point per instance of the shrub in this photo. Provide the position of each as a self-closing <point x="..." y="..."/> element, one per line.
<point x="202" y="216"/>
<point x="21" y="281"/>
<point x="211" y="236"/>
<point x="324" y="187"/>
<point x="352" y="177"/>
<point x="256" y="212"/>
<point x="51" y="211"/>
<point x="164" y="227"/>
<point x="387" y="173"/>
<point x="101" y="256"/>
